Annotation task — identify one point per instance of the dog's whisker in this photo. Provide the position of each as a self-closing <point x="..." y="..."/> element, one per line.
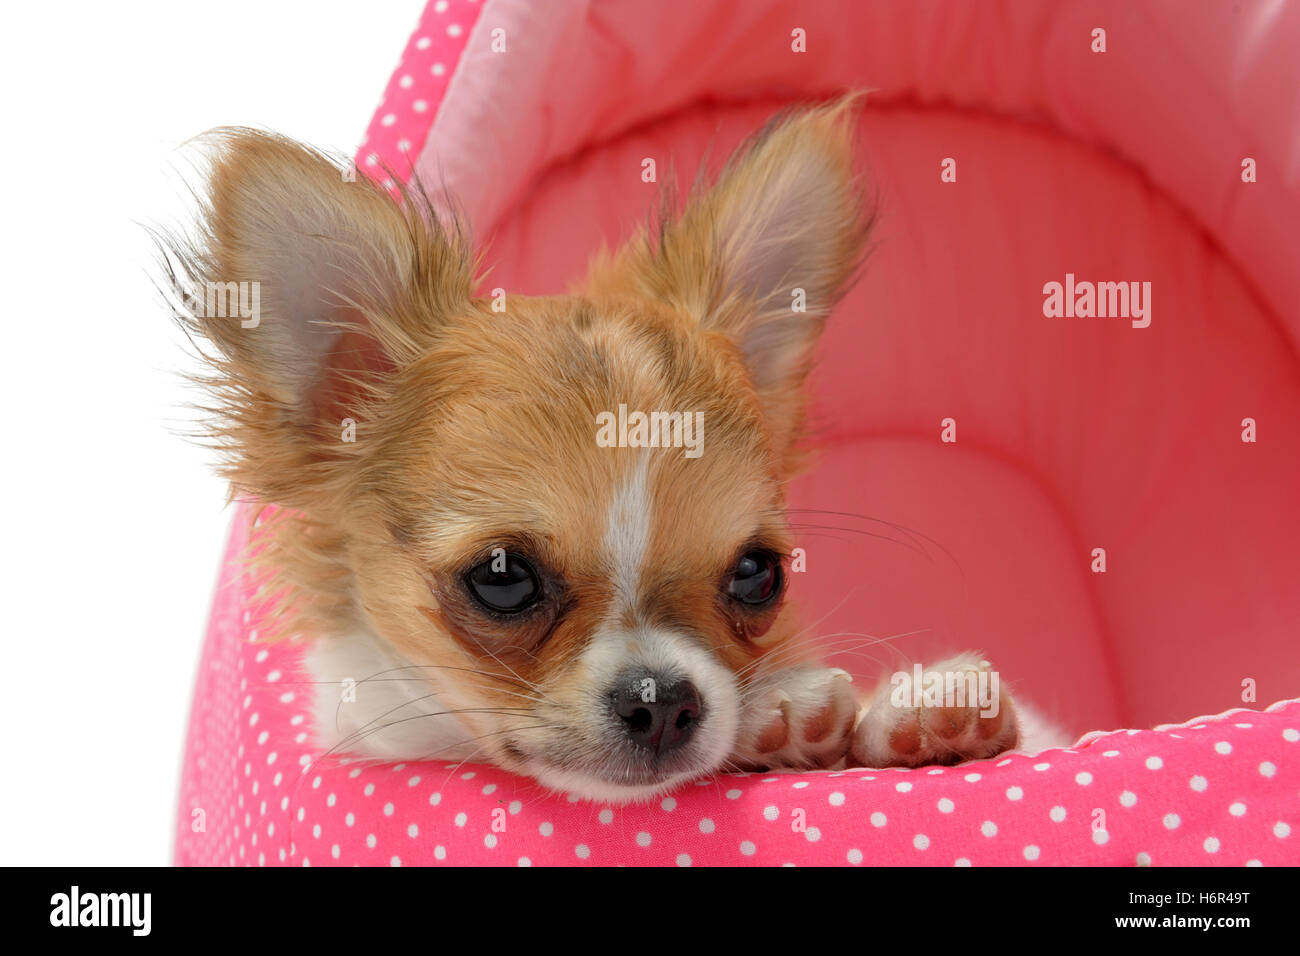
<point x="904" y="529"/>
<point x="852" y="643"/>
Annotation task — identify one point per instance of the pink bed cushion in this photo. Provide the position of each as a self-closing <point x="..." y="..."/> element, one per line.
<point x="1072" y="434"/>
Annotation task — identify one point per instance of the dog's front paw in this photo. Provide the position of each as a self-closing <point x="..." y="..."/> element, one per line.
<point x="957" y="712"/>
<point x="799" y="718"/>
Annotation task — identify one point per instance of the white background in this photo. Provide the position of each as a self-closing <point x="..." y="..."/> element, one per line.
<point x="113" y="521"/>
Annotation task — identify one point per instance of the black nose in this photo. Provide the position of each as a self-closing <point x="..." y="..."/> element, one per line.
<point x="658" y="715"/>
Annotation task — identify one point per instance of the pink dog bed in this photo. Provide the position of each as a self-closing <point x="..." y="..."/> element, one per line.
<point x="1170" y="159"/>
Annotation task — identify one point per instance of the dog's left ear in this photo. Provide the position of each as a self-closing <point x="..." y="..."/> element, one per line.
<point x="766" y="253"/>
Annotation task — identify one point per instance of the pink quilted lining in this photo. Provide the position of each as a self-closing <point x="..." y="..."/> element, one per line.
<point x="1070" y="435"/>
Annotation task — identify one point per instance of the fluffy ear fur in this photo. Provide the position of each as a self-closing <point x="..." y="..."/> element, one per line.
<point x="785" y="215"/>
<point x="339" y="286"/>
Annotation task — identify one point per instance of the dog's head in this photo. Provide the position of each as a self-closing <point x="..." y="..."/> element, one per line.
<point x="567" y="511"/>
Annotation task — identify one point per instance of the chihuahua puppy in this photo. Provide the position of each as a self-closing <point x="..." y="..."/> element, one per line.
<point x="492" y="557"/>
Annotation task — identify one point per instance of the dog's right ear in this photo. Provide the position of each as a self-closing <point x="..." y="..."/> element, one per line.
<point x="314" y="286"/>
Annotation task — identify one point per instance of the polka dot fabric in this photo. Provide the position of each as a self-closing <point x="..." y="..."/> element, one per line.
<point x="405" y="114"/>
<point x="1219" y="790"/>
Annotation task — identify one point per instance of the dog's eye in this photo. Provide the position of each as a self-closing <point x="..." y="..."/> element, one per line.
<point x="505" y="583"/>
<point x="756" y="580"/>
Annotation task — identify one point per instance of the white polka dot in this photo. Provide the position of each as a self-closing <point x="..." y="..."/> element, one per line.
<point x="878" y="819"/>
<point x="706" y="825"/>
<point x="1083" y="778"/>
<point x="438" y="69"/>
<point x="435" y="799"/>
<point x="1254" y="863"/>
<point x="422" y="43"/>
<point x="1223" y="747"/>
<point x="1057" y="814"/>
<point x="921" y="841"/>
<point x="735" y="794"/>
<point x="406" y="82"/>
<point x="582" y="851"/>
<point x="1267" y="768"/>
<point x="1172" y="821"/>
<point x="683" y="859"/>
<point x="971" y="777"/>
<point x="945" y="805"/>
<point x="1154" y="763"/>
<point x="546" y="829"/>
<point x="1291" y="735"/>
<point x="524" y="861"/>
<point x="961" y="861"/>
<point x="1100" y="837"/>
<point x="797" y="786"/>
<point x="1128" y="798"/>
<point x="489" y="789"/>
<point x="413" y="831"/>
<point x="440" y="853"/>
<point x="1281" y="830"/>
<point x="748" y="848"/>
<point x="370" y="840"/>
<point x="419" y="106"/>
<point x="388" y="809"/>
<point x="1144" y="859"/>
<point x="1237" y="809"/>
<point x="643" y="839"/>
<point x="606" y="816"/>
<point x="395" y="861"/>
<point x="334" y="851"/>
<point x="369" y="790"/>
<point x="668" y="804"/>
<point x="1198" y="783"/>
<point x="903" y="787"/>
<point x="460" y="819"/>
<point x="1014" y="793"/>
<point x="836" y="799"/>
<point x="1031" y="852"/>
<point x="453" y="30"/>
<point x="1042" y="766"/>
<point x="989" y="828"/>
<point x="490" y="841"/>
<point x="1211" y="844"/>
<point x="855" y="856"/>
<point x="813" y="834"/>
